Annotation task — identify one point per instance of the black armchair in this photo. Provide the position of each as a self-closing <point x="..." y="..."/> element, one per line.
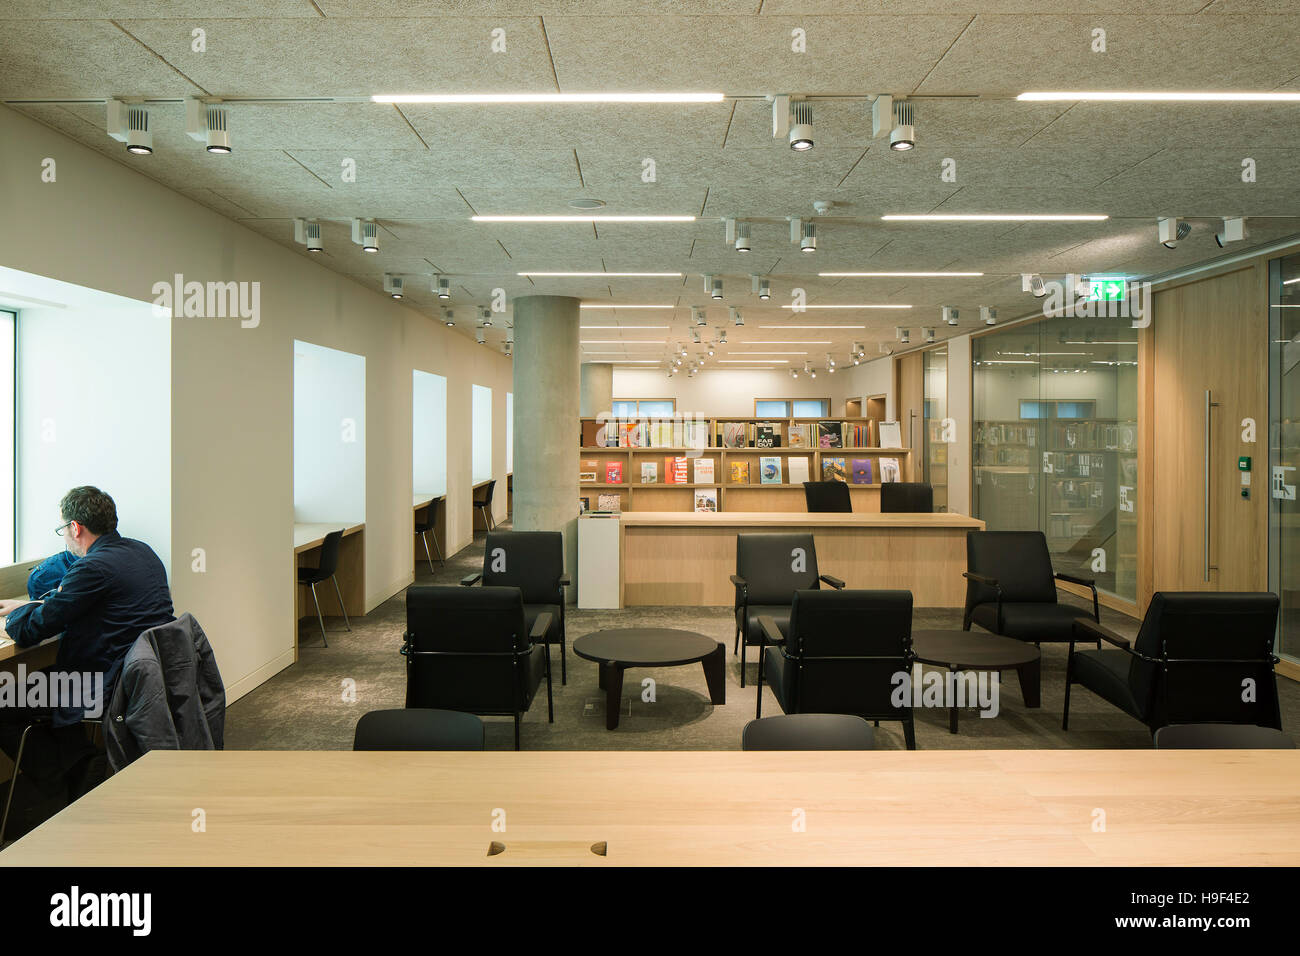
<point x="470" y="650"/>
<point x="1011" y="590"/>
<point x="841" y="653"/>
<point x="906" y="496"/>
<point x="1200" y="657"/>
<point x="827" y="497"/>
<point x="769" y="569"/>
<point x="532" y="561"/>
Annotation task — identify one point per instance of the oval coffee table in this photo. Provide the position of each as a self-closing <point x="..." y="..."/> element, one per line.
<point x="617" y="649"/>
<point x="977" y="651"/>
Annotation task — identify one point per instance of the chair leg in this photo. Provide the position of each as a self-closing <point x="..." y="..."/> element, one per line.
<point x="743" y="647"/>
<point x="13" y="782"/>
<point x="564" y="666"/>
<point x="550" y="701"/>
<point x="346" y="622"/>
<point x="437" y="548"/>
<point x="909" y="732"/>
<point x="516" y="730"/>
<point x="1069" y="672"/>
<point x="758" y="702"/>
<point x="428" y="557"/>
<point x="320" y="617"/>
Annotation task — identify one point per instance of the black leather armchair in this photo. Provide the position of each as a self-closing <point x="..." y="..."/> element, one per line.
<point x="1011" y="590"/>
<point x="841" y="653"/>
<point x="1200" y="657"/>
<point x="470" y="650"/>
<point x="532" y="561"/>
<point x="906" y="496"/>
<point x="769" y="569"/>
<point x="827" y="497"/>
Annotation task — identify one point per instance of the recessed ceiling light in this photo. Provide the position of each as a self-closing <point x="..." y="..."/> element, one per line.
<point x="527" y="98"/>
<point x="848" y="307"/>
<point x="592" y="218"/>
<point x="612" y="275"/>
<point x="899" y="275"/>
<point x="586" y="203"/>
<point x="1155" y="97"/>
<point x="993" y="217"/>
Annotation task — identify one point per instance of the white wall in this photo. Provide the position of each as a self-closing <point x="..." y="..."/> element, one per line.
<point x="428" y="433"/>
<point x="481" y="467"/>
<point x="7" y="323"/>
<point x="107" y="227"/>
<point x="731" y="392"/>
<point x="329" y="434"/>
<point x="93" y="408"/>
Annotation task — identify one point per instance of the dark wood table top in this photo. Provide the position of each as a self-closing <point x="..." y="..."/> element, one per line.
<point x="971" y="650"/>
<point x="645" y="647"/>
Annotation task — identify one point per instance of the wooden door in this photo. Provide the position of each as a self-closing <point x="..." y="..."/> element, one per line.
<point x="1207" y="336"/>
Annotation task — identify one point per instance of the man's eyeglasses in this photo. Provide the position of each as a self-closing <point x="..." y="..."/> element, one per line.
<point x="59" y="530"/>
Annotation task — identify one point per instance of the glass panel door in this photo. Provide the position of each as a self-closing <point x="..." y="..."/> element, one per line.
<point x="1284" y="448"/>
<point x="934" y="452"/>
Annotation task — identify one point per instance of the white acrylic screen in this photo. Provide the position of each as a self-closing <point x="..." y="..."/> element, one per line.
<point x="481" y="461"/>
<point x="329" y="435"/>
<point x="428" y="433"/>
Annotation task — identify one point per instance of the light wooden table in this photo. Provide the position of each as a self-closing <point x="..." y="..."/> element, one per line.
<point x="687" y="558"/>
<point x="954" y="808"/>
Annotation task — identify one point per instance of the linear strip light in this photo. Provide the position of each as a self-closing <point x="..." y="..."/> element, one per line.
<point x="1132" y="96"/>
<point x="802" y="308"/>
<point x="1291" y="281"/>
<point x="623" y="326"/>
<point x="618" y="275"/>
<point x="610" y="308"/>
<point x="526" y="98"/>
<point x="898" y="275"/>
<point x="812" y="327"/>
<point x="753" y="361"/>
<point x="621" y="342"/>
<point x="992" y="217"/>
<point x="792" y="341"/>
<point x="634" y="361"/>
<point x="768" y="353"/>
<point x="582" y="218"/>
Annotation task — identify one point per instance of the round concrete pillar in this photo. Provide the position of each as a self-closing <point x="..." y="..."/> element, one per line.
<point x="596" y="391"/>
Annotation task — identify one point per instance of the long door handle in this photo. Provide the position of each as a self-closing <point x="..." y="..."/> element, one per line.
<point x="1208" y="406"/>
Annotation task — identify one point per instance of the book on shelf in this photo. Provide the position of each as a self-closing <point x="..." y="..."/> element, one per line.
<point x="589" y="470"/>
<point x="703" y="471"/>
<point x="798" y="469"/>
<point x="829" y="435"/>
<point x="609" y="503"/>
<point x="861" y="471"/>
<point x="767" y="435"/>
<point x="634" y="435"/>
<point x="889" y="470"/>
<point x="706" y="499"/>
<point x="891" y="435"/>
<point x="613" y="472"/>
<point x="799" y="436"/>
<point x="675" y="470"/>
<point x="856" y="434"/>
<point x="833" y="469"/>
<point x="695" y="434"/>
<point x="733" y="434"/>
<point x="769" y="471"/>
<point x="649" y="472"/>
<point x="739" y="472"/>
<point x="584" y="505"/>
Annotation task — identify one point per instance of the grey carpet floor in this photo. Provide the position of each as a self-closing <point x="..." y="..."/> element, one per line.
<point x="315" y="704"/>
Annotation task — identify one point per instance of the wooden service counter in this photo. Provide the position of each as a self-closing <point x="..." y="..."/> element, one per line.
<point x="687" y="558"/>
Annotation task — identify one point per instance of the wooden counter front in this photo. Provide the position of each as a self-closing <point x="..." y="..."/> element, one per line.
<point x="687" y="558"/>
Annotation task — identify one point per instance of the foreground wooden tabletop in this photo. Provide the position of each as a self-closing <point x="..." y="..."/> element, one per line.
<point x="961" y="808"/>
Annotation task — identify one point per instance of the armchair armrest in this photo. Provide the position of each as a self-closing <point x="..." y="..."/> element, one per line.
<point x="771" y="630"/>
<point x="471" y="579"/>
<point x="1087" y="583"/>
<point x="1085" y="630"/>
<point x="540" y="626"/>
<point x="565" y="581"/>
<point x="981" y="579"/>
<point x="833" y="581"/>
<point x="739" y="582"/>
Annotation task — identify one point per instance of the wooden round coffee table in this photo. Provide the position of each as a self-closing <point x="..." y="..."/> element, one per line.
<point x="977" y="651"/>
<point x="617" y="649"/>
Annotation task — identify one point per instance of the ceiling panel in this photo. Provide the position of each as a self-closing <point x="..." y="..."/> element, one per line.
<point x="429" y="169"/>
<point x="772" y="166"/>
<point x="1092" y="126"/>
<point x="176" y="9"/>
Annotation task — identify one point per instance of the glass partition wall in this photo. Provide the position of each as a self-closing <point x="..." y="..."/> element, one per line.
<point x="1284" y="447"/>
<point x="934" y="410"/>
<point x="1054" y="444"/>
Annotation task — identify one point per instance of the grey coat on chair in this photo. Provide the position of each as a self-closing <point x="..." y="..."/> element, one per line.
<point x="169" y="696"/>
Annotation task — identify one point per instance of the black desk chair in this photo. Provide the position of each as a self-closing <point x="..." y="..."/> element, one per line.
<point x="808" y="732"/>
<point x="468" y="649"/>
<point x="425" y="528"/>
<point x="97" y="732"/>
<point x="418" y="729"/>
<point x="1200" y="657"/>
<point x="1221" y="737"/>
<point x="533" y="562"/>
<point x="916" y="497"/>
<point x="841" y="654"/>
<point x="1011" y="590"/>
<point x="830" y="497"/>
<point x="769" y="569"/>
<point x="483" y="502"/>
<point x="329" y="563"/>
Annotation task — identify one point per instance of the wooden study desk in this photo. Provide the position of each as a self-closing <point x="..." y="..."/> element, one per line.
<point x="863" y="808"/>
<point x="307" y="541"/>
<point x="422" y="503"/>
<point x="687" y="558"/>
<point x="42" y="655"/>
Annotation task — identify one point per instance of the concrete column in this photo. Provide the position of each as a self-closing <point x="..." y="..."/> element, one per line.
<point x="596" y="393"/>
<point x="546" y="420"/>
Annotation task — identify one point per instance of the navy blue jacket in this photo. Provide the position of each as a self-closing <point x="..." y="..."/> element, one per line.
<point x="47" y="575"/>
<point x="107" y="599"/>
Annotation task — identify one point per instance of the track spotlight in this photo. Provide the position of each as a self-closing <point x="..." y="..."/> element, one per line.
<point x="695" y="336"/>
<point x="710" y="349"/>
<point x="442" y="287"/>
<point x="480" y="337"/>
<point x="903" y="135"/>
<point x="764" y="289"/>
<point x="801" y="126"/>
<point x="949" y="314"/>
<point x="743" y="237"/>
<point x="691" y="373"/>
<point x="860" y="350"/>
<point x="207" y="124"/>
<point x="697" y="315"/>
<point x="1033" y="283"/>
<point x="929" y="334"/>
<point x="130" y="125"/>
<point x="794" y="373"/>
<point x="486" y="315"/>
<point x="306" y="232"/>
<point x="365" y="233"/>
<point x="1234" y="230"/>
<point x="808" y="242"/>
<point x="988" y="316"/>
<point x="722" y="336"/>
<point x="716" y="289"/>
<point x="736" y="318"/>
<point x="1170" y="230"/>
<point x="904" y="335"/>
<point x="393" y="285"/>
<point x="857" y="360"/>
<point x="449" y="318"/>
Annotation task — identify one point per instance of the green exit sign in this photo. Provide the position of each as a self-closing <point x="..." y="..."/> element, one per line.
<point x="1107" y="288"/>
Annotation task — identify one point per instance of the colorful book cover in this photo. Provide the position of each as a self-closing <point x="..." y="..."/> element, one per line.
<point x="798" y="470"/>
<point x="649" y="472"/>
<point x="706" y="499"/>
<point x="584" y="505"/>
<point x="889" y="470"/>
<point x="609" y="503"/>
<point x="798" y="436"/>
<point x="833" y="469"/>
<point x="733" y="434"/>
<point x="739" y="472"/>
<point x="765" y="436"/>
<point x="861" y="471"/>
<point x="613" y="472"/>
<point x="589" y="470"/>
<point x="769" y="471"/>
<point x="675" y="471"/>
<point x="829" y="435"/>
<point x="703" y="471"/>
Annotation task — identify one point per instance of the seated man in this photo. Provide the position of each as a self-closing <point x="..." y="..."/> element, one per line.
<point x="48" y="575"/>
<point x="114" y="591"/>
